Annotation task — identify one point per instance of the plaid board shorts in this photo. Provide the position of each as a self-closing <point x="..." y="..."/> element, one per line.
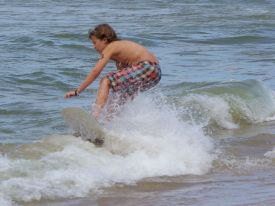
<point x="134" y="78"/>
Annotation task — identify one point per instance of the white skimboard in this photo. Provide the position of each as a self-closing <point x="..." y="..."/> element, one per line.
<point x="84" y="124"/>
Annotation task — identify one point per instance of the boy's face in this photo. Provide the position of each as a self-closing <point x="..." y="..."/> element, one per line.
<point x="99" y="44"/>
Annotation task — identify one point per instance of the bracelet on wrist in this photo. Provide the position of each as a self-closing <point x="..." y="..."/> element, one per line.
<point x="76" y="93"/>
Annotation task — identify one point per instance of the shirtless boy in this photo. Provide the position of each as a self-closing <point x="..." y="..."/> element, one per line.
<point x="137" y="68"/>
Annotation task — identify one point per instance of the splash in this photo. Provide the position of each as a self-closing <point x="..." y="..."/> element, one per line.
<point x="270" y="154"/>
<point x="147" y="139"/>
<point x="227" y="105"/>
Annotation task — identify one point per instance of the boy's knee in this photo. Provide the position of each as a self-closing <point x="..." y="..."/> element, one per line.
<point x="105" y="81"/>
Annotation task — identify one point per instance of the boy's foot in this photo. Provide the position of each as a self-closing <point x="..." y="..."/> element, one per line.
<point x="77" y="134"/>
<point x="98" y="142"/>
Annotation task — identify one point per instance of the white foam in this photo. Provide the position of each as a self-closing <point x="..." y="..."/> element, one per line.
<point x="4" y="163"/>
<point x="211" y="108"/>
<point x="229" y="111"/>
<point x="244" y="164"/>
<point x="4" y="201"/>
<point x="270" y="154"/>
<point x="271" y="117"/>
<point x="147" y="139"/>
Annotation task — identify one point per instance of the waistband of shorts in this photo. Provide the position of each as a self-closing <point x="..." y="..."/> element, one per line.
<point x="146" y="62"/>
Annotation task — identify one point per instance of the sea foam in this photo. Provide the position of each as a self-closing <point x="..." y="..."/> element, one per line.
<point x="146" y="139"/>
<point x="228" y="105"/>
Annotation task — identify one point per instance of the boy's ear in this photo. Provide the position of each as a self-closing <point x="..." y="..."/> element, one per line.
<point x="105" y="40"/>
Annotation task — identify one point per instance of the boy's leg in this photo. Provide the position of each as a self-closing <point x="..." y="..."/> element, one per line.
<point x="102" y="96"/>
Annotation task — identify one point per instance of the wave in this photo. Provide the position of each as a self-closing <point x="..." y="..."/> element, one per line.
<point x="70" y="36"/>
<point x="245" y="153"/>
<point x="155" y="135"/>
<point x="146" y="139"/>
<point x="244" y="39"/>
<point x="270" y="154"/>
<point x="226" y="105"/>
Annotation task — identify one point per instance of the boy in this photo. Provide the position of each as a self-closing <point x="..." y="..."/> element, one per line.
<point x="137" y="68"/>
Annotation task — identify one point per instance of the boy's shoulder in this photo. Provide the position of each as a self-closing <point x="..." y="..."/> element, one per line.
<point x="119" y="42"/>
<point x="117" y="45"/>
<point x="124" y="44"/>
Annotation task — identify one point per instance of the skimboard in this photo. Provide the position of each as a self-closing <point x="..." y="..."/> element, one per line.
<point x="84" y="125"/>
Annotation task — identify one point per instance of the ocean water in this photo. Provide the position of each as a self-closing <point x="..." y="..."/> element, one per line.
<point x="204" y="136"/>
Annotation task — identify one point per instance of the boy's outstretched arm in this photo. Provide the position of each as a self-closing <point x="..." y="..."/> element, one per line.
<point x="94" y="73"/>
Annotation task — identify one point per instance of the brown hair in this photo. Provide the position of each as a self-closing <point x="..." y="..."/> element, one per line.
<point x="103" y="31"/>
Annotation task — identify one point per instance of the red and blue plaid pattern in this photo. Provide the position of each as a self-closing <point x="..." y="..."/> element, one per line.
<point x="132" y="79"/>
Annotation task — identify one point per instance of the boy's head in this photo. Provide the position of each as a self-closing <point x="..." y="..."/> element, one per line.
<point x="103" y="32"/>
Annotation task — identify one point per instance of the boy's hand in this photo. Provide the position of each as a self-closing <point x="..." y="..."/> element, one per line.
<point x="71" y="94"/>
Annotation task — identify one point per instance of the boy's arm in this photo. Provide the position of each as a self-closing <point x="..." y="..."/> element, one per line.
<point x="94" y="73"/>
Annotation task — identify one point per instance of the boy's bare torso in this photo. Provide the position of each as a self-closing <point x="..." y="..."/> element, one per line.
<point x="128" y="52"/>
